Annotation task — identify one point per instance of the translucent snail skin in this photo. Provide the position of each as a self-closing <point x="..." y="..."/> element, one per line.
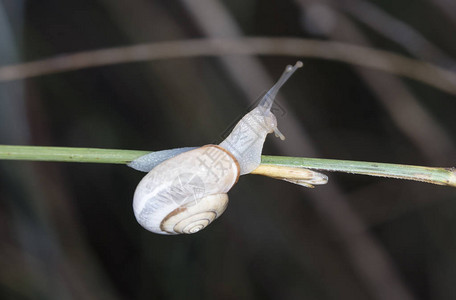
<point x="186" y="188"/>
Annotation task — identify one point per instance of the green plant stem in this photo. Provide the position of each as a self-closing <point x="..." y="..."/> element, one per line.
<point x="441" y="176"/>
<point x="69" y="154"/>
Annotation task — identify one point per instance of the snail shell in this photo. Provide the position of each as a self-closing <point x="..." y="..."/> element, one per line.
<point x="186" y="193"/>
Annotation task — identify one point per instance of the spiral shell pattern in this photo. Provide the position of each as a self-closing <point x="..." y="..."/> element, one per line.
<point x="192" y="219"/>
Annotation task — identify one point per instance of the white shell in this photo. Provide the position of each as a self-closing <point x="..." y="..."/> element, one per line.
<point x="187" y="192"/>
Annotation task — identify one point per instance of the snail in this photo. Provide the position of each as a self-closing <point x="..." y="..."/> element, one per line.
<point x="186" y="188"/>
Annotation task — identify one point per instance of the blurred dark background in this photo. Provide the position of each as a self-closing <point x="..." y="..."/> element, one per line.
<point x="67" y="231"/>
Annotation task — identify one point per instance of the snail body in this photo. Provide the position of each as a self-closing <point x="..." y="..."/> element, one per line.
<point x="186" y="188"/>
